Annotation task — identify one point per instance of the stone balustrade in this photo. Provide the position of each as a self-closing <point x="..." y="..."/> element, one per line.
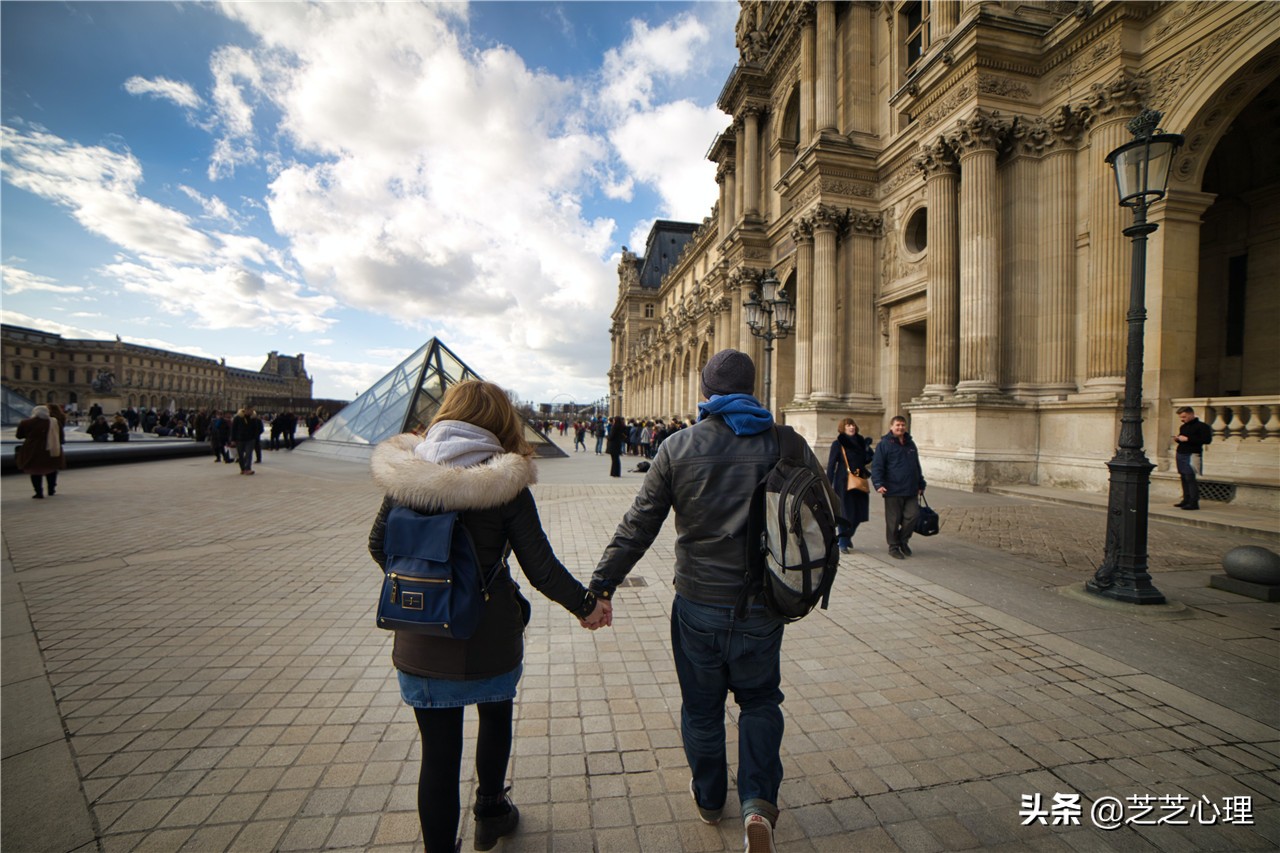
<point x="1246" y="436"/>
<point x="1239" y="418"/>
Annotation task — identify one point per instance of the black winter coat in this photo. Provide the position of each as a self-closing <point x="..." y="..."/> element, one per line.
<point x="499" y="512"/>
<point x="854" y="505"/>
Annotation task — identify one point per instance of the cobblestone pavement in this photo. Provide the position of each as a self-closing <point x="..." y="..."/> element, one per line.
<point x="190" y="663"/>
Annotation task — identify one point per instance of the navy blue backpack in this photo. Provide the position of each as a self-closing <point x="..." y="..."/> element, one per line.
<point x="433" y="583"/>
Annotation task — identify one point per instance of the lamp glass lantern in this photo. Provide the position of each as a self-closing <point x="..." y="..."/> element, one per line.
<point x="1142" y="166"/>
<point x="783" y="311"/>
<point x="753" y="310"/>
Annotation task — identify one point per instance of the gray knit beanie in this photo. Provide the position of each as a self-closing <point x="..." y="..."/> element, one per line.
<point x="728" y="372"/>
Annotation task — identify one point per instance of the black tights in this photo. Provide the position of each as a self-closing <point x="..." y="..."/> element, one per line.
<point x="441" y="730"/>
<point x="39" y="486"/>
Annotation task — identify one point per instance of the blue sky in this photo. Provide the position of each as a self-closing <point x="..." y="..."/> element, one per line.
<point x="346" y="180"/>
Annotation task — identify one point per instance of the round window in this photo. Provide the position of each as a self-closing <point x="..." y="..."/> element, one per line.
<point x="915" y="236"/>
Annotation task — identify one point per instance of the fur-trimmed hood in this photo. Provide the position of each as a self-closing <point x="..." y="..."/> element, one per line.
<point x="408" y="479"/>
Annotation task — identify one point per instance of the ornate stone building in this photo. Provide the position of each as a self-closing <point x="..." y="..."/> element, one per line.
<point x="928" y="181"/>
<point x="49" y="368"/>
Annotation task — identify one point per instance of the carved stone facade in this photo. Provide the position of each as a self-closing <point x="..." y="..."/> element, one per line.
<point x="948" y="229"/>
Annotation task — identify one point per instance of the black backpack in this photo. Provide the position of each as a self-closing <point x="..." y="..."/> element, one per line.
<point x="792" y="547"/>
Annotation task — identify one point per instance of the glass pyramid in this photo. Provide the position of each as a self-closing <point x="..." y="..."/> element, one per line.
<point x="16" y="407"/>
<point x="407" y="398"/>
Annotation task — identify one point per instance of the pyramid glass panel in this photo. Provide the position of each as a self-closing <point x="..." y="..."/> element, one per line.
<point x="16" y="407"/>
<point x="407" y="398"/>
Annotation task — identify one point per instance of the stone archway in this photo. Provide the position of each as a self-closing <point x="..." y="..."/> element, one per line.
<point x="1213" y="274"/>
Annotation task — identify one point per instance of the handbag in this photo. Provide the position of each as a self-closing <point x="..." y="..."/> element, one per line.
<point x="927" y="521"/>
<point x="855" y="482"/>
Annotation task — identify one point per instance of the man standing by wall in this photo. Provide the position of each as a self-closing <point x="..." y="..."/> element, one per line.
<point x="896" y="474"/>
<point x="708" y="474"/>
<point x="1191" y="439"/>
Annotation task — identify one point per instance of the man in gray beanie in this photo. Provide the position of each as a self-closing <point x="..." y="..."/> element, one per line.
<point x="711" y="497"/>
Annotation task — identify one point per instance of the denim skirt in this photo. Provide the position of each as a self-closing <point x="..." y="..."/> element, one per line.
<point x="421" y="692"/>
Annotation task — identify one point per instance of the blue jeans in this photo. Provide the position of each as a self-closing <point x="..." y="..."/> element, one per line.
<point x="715" y="653"/>
<point x="1187" y="471"/>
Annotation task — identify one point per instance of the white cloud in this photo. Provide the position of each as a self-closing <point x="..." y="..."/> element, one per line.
<point x="223" y="280"/>
<point x="214" y="208"/>
<point x="631" y="72"/>
<point x="17" y="280"/>
<point x="163" y="88"/>
<point x="658" y="148"/>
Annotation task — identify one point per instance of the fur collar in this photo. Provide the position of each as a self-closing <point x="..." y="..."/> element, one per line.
<point x="407" y="479"/>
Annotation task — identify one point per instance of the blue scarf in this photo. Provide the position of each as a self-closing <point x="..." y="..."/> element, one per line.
<point x="742" y="412"/>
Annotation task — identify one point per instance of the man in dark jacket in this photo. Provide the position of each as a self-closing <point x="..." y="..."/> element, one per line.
<point x="708" y="474"/>
<point x="245" y="429"/>
<point x="1191" y="439"/>
<point x="896" y="474"/>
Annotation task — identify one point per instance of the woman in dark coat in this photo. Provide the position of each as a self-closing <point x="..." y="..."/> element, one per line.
<point x="40" y="455"/>
<point x="616" y="445"/>
<point x="850" y="451"/>
<point x="474" y="460"/>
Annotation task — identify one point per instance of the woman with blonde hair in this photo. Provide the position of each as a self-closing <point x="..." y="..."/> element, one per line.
<point x="850" y="452"/>
<point x="474" y="460"/>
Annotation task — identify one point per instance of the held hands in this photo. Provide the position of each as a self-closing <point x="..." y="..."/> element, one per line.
<point x="882" y="490"/>
<point x="601" y="616"/>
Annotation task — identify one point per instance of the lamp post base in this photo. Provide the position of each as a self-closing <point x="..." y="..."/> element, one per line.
<point x="1123" y="575"/>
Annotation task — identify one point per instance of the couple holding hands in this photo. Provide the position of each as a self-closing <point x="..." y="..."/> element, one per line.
<point x="474" y="459"/>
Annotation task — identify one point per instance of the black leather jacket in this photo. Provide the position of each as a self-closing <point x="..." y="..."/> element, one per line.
<point x="707" y="475"/>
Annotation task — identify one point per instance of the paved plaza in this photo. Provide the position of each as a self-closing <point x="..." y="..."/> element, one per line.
<point x="190" y="663"/>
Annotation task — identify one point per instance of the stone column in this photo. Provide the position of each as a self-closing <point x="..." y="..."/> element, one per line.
<point x="724" y="222"/>
<point x="943" y="17"/>
<point x="731" y="196"/>
<point x="826" y="223"/>
<point x="942" y="341"/>
<point x="751" y="180"/>
<point x="978" y="139"/>
<point x="859" y="303"/>
<point x="740" y="149"/>
<point x="1054" y="138"/>
<point x="1106" y="111"/>
<point x="826" y="79"/>
<point x="808" y="72"/>
<point x="802" y="234"/>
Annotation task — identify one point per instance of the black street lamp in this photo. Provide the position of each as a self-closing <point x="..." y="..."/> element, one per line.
<point x="771" y="316"/>
<point x="1142" y="176"/>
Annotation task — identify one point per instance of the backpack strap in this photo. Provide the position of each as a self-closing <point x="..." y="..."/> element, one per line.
<point x="753" y="555"/>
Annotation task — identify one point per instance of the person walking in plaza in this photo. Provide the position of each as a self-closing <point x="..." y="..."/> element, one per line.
<point x="850" y="453"/>
<point x="597" y="429"/>
<point x="40" y="456"/>
<point x="1192" y="436"/>
<point x="896" y="474"/>
<point x="245" y="429"/>
<point x="475" y="460"/>
<point x="708" y="474"/>
<point x="579" y="436"/>
<point x="616" y="445"/>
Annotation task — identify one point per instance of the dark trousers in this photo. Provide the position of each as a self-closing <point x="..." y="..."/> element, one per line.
<point x="1190" y="487"/>
<point x="38" y="485"/>
<point x="900" y="519"/>
<point x="615" y="467"/>
<point x="441" y="729"/>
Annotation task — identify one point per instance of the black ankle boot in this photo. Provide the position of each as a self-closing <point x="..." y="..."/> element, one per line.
<point x="495" y="817"/>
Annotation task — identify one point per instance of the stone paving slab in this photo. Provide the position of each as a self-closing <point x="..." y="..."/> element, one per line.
<point x="208" y="640"/>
